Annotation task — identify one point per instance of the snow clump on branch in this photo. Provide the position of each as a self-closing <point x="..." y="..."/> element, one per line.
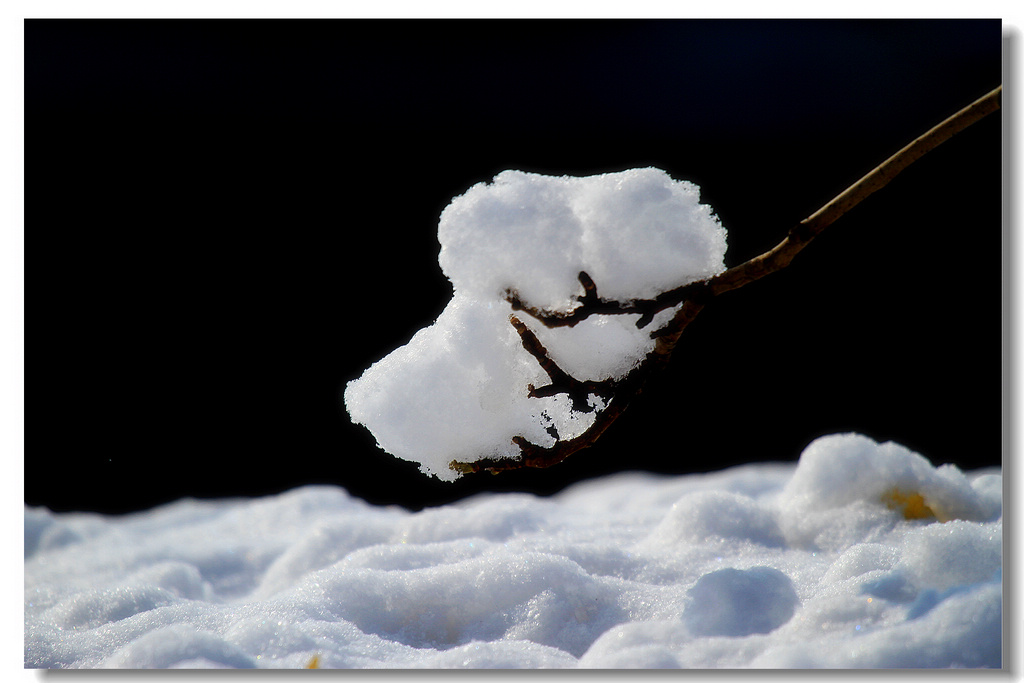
<point x="459" y="389"/>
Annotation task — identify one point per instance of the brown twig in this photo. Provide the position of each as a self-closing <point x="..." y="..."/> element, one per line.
<point x="801" y="234"/>
<point x="561" y="382"/>
<point x="624" y="391"/>
<point x="592" y="304"/>
<point x="780" y="255"/>
<point x="693" y="296"/>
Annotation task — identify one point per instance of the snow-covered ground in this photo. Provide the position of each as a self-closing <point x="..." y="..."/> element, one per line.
<point x="860" y="555"/>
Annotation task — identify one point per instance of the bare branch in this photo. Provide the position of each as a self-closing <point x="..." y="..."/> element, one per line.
<point x="800" y="235"/>
<point x="693" y="296"/>
<point x="782" y="254"/>
<point x="625" y="391"/>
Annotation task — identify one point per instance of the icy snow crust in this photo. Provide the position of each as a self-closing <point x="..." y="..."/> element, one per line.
<point x="813" y="565"/>
<point x="458" y="389"/>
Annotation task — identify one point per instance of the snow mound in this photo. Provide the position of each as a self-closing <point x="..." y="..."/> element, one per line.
<point x="636" y="233"/>
<point x="458" y="389"/>
<point x="834" y="495"/>
<point x="739" y="602"/>
<point x="762" y="566"/>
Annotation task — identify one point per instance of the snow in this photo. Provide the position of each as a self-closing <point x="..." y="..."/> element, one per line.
<point x="636" y="233"/>
<point x="812" y="564"/>
<point x="458" y="389"/>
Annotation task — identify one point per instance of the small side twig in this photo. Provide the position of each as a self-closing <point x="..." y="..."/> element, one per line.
<point x="561" y="382"/>
<point x="533" y="455"/>
<point x="592" y="304"/>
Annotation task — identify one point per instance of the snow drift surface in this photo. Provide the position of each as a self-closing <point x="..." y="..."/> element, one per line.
<point x="861" y="555"/>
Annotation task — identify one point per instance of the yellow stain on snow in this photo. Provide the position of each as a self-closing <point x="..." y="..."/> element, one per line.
<point x="912" y="505"/>
<point x="314" y="663"/>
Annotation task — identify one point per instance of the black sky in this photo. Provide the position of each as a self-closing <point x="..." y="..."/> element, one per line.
<point x="229" y="220"/>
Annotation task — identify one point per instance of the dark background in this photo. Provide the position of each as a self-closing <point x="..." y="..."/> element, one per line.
<point x="229" y="220"/>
